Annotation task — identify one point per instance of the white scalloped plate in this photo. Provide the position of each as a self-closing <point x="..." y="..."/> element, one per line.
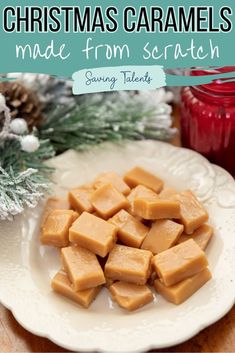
<point x="26" y="267"/>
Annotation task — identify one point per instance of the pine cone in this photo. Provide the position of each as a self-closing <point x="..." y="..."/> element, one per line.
<point x="22" y="103"/>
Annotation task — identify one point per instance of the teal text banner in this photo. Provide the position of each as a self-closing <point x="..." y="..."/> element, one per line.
<point x="75" y="39"/>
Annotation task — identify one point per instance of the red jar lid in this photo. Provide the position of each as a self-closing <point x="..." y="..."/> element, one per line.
<point x="218" y="85"/>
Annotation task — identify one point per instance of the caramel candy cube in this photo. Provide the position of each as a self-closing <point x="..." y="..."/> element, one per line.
<point x="162" y="236"/>
<point x="131" y="232"/>
<point x="181" y="291"/>
<point x="54" y="203"/>
<point x="93" y="233"/>
<point x="107" y="201"/>
<point x="130" y="296"/>
<point x="55" y="230"/>
<point x="115" y="180"/>
<point x="138" y="176"/>
<point x="128" y="264"/>
<point x="142" y="192"/>
<point x="79" y="198"/>
<point x="193" y="213"/>
<point x="82" y="267"/>
<point x="156" y="208"/>
<point x="139" y="191"/>
<point x="62" y="285"/>
<point x="201" y="236"/>
<point x="180" y="262"/>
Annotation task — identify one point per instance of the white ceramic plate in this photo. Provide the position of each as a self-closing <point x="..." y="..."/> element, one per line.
<point x="26" y="267"/>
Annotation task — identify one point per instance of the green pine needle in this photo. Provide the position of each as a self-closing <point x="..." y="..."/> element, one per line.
<point x="24" y="178"/>
<point x="97" y="120"/>
<point x="12" y="156"/>
<point x="20" y="189"/>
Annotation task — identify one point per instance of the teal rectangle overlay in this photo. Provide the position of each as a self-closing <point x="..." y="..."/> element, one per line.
<point x="119" y="78"/>
<point x="169" y="34"/>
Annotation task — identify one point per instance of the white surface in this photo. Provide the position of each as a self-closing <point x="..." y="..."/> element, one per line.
<point x="26" y="267"/>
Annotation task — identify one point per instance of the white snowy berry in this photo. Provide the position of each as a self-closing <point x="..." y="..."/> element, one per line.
<point x="18" y="126"/>
<point x="30" y="143"/>
<point x="2" y="103"/>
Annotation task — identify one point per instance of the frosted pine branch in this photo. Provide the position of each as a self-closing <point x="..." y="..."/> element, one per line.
<point x="112" y="117"/>
<point x="18" y="190"/>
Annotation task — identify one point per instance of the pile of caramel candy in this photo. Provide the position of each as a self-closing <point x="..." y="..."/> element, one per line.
<point x="128" y="234"/>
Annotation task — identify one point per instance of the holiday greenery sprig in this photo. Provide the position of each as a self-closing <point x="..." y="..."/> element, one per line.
<point x="19" y="189"/>
<point x="108" y="117"/>
<point x="23" y="175"/>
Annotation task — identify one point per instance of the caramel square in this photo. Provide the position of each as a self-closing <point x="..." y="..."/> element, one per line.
<point x="82" y="267"/>
<point x="192" y="212"/>
<point x="131" y="231"/>
<point x="130" y="296"/>
<point x="201" y="236"/>
<point x="62" y="285"/>
<point x="162" y="236"/>
<point x="139" y="191"/>
<point x="93" y="233"/>
<point x="107" y="201"/>
<point x="181" y="291"/>
<point x="79" y="198"/>
<point x="128" y="264"/>
<point x="55" y="230"/>
<point x="180" y="262"/>
<point x="138" y="175"/>
<point x="156" y="208"/>
<point x="54" y="203"/>
<point x="114" y="179"/>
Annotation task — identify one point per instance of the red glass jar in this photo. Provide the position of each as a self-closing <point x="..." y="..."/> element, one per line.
<point x="208" y="121"/>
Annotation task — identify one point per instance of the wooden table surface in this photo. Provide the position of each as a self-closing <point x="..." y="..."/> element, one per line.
<point x="219" y="337"/>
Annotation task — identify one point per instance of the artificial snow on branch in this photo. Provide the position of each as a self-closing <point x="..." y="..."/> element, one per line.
<point x="23" y="175"/>
<point x="112" y="117"/>
<point x="18" y="190"/>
